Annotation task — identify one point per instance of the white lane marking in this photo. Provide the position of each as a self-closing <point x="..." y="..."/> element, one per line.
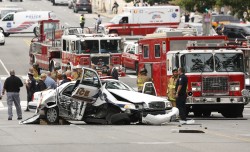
<point x="77" y="126"/>
<point x="4" y="67"/>
<point x="1" y="105"/>
<point x="132" y="76"/>
<point x="153" y="143"/>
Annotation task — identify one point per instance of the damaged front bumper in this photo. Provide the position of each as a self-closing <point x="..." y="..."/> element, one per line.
<point x="160" y="118"/>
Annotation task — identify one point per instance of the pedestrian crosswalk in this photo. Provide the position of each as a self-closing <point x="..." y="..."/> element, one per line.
<point x="3" y="105"/>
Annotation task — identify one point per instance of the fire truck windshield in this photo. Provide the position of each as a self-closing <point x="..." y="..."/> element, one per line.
<point x="207" y="62"/>
<point x="196" y="62"/>
<point x="229" y="62"/>
<point x="50" y="26"/>
<point x="89" y="46"/>
<point x="110" y="46"/>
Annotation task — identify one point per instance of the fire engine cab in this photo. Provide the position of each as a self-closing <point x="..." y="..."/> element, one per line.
<point x="91" y="50"/>
<point x="215" y="76"/>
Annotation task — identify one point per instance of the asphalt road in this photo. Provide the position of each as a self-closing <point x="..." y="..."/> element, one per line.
<point x="220" y="134"/>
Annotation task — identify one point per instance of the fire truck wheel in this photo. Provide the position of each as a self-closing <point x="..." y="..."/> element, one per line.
<point x="136" y="68"/>
<point x="197" y="113"/>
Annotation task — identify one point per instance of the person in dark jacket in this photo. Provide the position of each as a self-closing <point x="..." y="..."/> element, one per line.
<point x="12" y="86"/>
<point x="31" y="88"/>
<point x="113" y="72"/>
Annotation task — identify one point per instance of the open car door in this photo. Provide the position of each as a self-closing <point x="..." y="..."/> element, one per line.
<point x="88" y="87"/>
<point x="149" y="88"/>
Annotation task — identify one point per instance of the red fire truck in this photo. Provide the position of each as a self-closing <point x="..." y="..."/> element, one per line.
<point x="90" y="50"/>
<point x="215" y="76"/>
<point x="72" y="48"/>
<point x="45" y="49"/>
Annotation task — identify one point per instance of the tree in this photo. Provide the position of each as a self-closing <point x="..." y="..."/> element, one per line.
<point x="237" y="7"/>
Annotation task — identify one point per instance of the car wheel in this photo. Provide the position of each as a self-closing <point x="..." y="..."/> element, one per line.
<point x="120" y="119"/>
<point x="6" y="34"/>
<point x="52" y="115"/>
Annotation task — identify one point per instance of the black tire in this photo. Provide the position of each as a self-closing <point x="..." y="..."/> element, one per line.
<point x="52" y="115"/>
<point x="136" y="68"/>
<point x="6" y="34"/>
<point x="197" y="113"/>
<point x="51" y="67"/>
<point x="120" y="119"/>
<point x="35" y="33"/>
<point x="90" y="11"/>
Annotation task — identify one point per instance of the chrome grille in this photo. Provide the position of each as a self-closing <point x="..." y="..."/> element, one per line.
<point x="157" y="105"/>
<point x="104" y="60"/>
<point x="215" y="85"/>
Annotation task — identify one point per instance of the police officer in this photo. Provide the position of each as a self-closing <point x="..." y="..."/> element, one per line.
<point x="171" y="87"/>
<point x="181" y="94"/>
<point x="82" y="21"/>
<point x="142" y="78"/>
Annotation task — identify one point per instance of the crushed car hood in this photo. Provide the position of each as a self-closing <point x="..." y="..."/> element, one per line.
<point x="136" y="97"/>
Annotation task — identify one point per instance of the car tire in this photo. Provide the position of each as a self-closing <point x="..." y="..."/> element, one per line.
<point x="120" y="119"/>
<point x="197" y="113"/>
<point x="6" y="34"/>
<point x="52" y="115"/>
<point x="2" y="43"/>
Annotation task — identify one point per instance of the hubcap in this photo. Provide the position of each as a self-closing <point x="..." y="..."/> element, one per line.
<point x="52" y="115"/>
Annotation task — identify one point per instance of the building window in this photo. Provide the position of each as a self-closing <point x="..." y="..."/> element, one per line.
<point x="145" y="52"/>
<point x="157" y="51"/>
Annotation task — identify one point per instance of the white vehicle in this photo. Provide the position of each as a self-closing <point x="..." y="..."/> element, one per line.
<point x="143" y="20"/>
<point x="107" y="101"/>
<point x="59" y="2"/>
<point x="4" y="11"/>
<point x="2" y="38"/>
<point x="23" y="22"/>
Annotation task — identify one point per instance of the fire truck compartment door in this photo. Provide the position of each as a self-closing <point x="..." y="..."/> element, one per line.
<point x="88" y="88"/>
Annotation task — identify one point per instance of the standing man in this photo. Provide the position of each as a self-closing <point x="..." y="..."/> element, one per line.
<point x="82" y="21"/>
<point x="171" y="87"/>
<point x="113" y="72"/>
<point x="12" y="86"/>
<point x="98" y="22"/>
<point x="181" y="94"/>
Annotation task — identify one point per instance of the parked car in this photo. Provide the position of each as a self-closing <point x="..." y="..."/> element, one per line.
<point x="225" y="19"/>
<point x="237" y="31"/>
<point x="82" y="5"/>
<point x="2" y="38"/>
<point x="107" y="101"/>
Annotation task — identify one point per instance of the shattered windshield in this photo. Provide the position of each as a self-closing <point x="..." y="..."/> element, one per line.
<point x="194" y="62"/>
<point x="110" y="46"/>
<point x="229" y="62"/>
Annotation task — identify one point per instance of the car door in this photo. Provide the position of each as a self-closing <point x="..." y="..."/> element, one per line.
<point x="65" y="103"/>
<point x="88" y="88"/>
<point x="8" y="23"/>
